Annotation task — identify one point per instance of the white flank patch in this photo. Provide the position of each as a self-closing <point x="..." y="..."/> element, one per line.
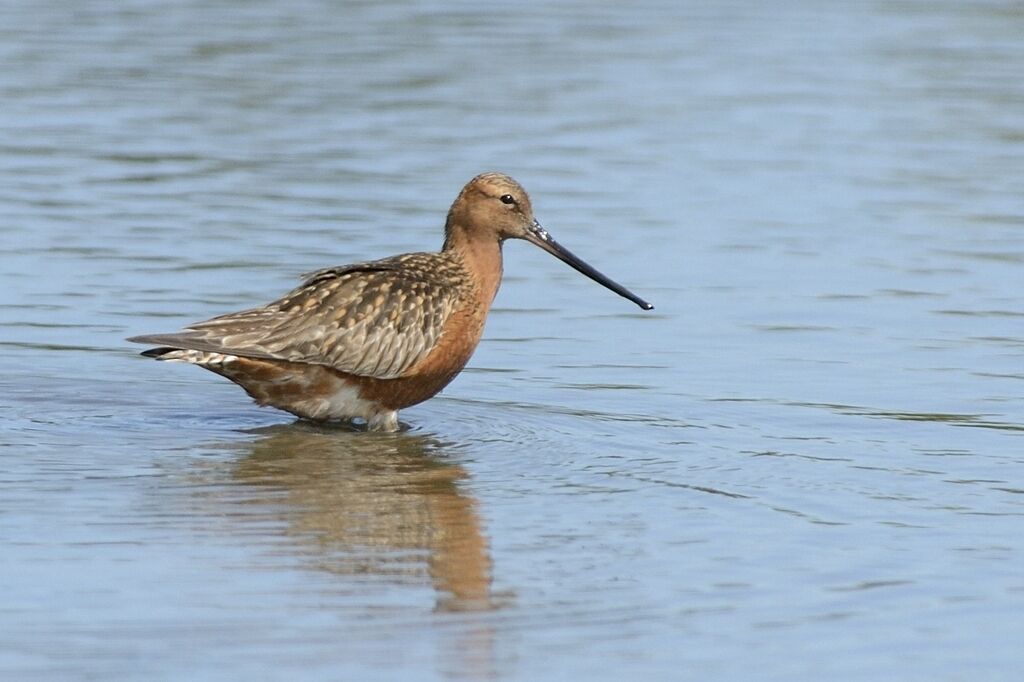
<point x="344" y="403"/>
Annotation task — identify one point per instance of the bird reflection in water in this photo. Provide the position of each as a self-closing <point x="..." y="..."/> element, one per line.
<point x="387" y="507"/>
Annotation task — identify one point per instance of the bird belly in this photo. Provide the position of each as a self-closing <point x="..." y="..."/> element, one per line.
<point x="309" y="391"/>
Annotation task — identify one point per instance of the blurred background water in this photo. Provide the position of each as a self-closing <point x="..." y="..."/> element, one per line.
<point x="806" y="463"/>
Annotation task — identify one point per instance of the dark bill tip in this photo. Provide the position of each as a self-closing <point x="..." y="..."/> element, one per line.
<point x="538" y="236"/>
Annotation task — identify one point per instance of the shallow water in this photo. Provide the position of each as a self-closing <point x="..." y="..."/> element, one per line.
<point x="806" y="463"/>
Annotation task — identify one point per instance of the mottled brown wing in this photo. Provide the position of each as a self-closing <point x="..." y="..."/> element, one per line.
<point x="373" y="319"/>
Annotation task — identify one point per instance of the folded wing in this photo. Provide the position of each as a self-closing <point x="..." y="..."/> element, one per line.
<point x="372" y="319"/>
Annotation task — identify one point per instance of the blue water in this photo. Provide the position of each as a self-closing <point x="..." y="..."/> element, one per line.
<point x="806" y="463"/>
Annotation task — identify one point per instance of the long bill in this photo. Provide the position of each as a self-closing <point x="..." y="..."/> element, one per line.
<point x="537" y="235"/>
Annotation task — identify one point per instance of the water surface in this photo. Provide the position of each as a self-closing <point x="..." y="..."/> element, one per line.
<point x="806" y="463"/>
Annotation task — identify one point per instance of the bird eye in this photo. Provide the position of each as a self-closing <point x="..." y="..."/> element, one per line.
<point x="508" y="199"/>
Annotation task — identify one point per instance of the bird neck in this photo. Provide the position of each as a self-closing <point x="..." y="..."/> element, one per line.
<point x="480" y="257"/>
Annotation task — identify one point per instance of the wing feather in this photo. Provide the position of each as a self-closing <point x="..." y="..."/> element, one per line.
<point x="374" y="319"/>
